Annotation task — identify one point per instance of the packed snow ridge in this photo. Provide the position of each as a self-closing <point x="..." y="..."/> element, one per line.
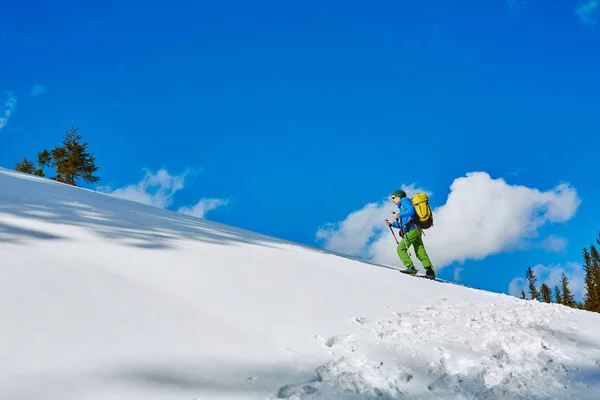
<point x="103" y="298"/>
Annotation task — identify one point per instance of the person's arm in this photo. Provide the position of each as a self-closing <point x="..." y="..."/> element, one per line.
<point x="410" y="210"/>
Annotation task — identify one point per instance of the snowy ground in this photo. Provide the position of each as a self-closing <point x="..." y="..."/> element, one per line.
<point x="103" y="299"/>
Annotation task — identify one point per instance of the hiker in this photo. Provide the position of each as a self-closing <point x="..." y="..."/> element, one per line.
<point x="410" y="231"/>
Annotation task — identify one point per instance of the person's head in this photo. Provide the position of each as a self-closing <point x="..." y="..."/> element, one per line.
<point x="397" y="195"/>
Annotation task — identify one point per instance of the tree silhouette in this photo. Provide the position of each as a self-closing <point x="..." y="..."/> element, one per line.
<point x="535" y="295"/>
<point x="567" y="295"/>
<point x="558" y="295"/>
<point x="25" y="166"/>
<point x="590" y="298"/>
<point x="546" y="293"/>
<point x="71" y="161"/>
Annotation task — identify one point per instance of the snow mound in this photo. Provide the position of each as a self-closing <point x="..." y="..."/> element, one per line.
<point x="102" y="298"/>
<point x="465" y="350"/>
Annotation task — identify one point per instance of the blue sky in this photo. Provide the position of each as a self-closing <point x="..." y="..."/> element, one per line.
<point x="281" y="117"/>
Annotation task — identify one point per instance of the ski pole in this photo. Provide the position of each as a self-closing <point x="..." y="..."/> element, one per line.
<point x="391" y="230"/>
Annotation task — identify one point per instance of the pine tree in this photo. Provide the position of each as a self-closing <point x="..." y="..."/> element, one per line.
<point x="523" y="295"/>
<point x="25" y="166"/>
<point x="72" y="161"/>
<point x="535" y="295"/>
<point x="596" y="260"/>
<point x="567" y="295"/>
<point x="44" y="159"/>
<point x="29" y="167"/>
<point x="595" y="278"/>
<point x="546" y="293"/>
<point x="590" y="299"/>
<point x="558" y="295"/>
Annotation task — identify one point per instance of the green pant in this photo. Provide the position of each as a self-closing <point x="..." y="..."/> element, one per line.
<point x="413" y="237"/>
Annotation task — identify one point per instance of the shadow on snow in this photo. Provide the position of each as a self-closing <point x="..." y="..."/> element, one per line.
<point x="128" y="222"/>
<point x="275" y="379"/>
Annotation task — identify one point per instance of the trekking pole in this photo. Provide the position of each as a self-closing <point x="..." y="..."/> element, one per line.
<point x="391" y="230"/>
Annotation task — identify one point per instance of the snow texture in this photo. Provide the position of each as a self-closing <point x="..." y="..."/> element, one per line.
<point x="103" y="298"/>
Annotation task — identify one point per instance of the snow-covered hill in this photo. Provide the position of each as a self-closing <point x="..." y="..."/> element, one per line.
<point x="102" y="298"/>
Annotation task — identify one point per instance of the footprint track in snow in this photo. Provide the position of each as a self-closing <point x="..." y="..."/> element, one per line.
<point x="460" y="350"/>
<point x="287" y="351"/>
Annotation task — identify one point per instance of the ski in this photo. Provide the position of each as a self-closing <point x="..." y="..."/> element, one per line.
<point x="418" y="275"/>
<point x="424" y="276"/>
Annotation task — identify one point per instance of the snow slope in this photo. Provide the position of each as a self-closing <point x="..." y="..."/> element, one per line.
<point x="102" y="298"/>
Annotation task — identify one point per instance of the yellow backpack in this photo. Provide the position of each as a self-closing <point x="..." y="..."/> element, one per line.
<point x="424" y="214"/>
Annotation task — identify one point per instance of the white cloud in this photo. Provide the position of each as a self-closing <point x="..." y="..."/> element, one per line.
<point x="155" y="190"/>
<point x="551" y="275"/>
<point x="355" y="234"/>
<point x="37" y="90"/>
<point x="554" y="243"/>
<point x="158" y="190"/>
<point x="516" y="286"/>
<point x="482" y="216"/>
<point x="587" y="11"/>
<point x="9" y="107"/>
<point x="202" y="207"/>
<point x="457" y="272"/>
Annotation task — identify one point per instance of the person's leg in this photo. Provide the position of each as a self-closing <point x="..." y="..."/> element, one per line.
<point x="402" y="250"/>
<point x="422" y="255"/>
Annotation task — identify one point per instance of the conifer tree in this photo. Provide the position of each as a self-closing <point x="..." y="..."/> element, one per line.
<point x="596" y="260"/>
<point x="44" y="159"/>
<point x="25" y="166"/>
<point x="567" y="295"/>
<point x="546" y="293"/>
<point x="72" y="161"/>
<point x="523" y="295"/>
<point x="557" y="295"/>
<point x="595" y="278"/>
<point x="29" y="167"/>
<point x="535" y="295"/>
<point x="590" y="298"/>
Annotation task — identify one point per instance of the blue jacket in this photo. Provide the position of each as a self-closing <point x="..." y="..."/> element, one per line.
<point x="407" y="214"/>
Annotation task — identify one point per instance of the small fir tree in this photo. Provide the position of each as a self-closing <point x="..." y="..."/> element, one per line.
<point x="557" y="295"/>
<point x="535" y="295"/>
<point x="25" y="166"/>
<point x="523" y="295"/>
<point x="71" y="161"/>
<point x="596" y="260"/>
<point x="567" y="295"/>
<point x="590" y="300"/>
<point x="595" y="278"/>
<point x="28" y="167"/>
<point x="44" y="159"/>
<point x="546" y="293"/>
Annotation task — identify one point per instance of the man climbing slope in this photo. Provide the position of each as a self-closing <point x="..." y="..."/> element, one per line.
<point x="410" y="233"/>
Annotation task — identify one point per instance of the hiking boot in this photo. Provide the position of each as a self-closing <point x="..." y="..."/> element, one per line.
<point x="410" y="270"/>
<point x="429" y="273"/>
